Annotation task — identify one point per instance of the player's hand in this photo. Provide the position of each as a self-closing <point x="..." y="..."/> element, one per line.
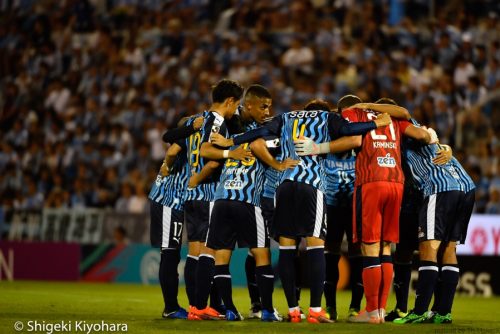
<point x="198" y="122"/>
<point x="443" y="155"/>
<point x="288" y="163"/>
<point x="307" y="146"/>
<point x="241" y="154"/>
<point x="220" y="140"/>
<point x="164" y="171"/>
<point x="434" y="137"/>
<point x="193" y="180"/>
<point x="383" y="120"/>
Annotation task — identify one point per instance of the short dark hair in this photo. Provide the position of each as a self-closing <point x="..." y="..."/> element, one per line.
<point x="347" y="101"/>
<point x="386" y="100"/>
<point x="318" y="104"/>
<point x="225" y="89"/>
<point x="258" y="91"/>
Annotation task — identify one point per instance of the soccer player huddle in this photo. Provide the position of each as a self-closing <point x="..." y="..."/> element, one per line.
<point x="234" y="175"/>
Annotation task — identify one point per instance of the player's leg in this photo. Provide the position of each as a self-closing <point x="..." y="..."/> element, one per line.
<point x="313" y="216"/>
<point x="286" y="266"/>
<point x="437" y="215"/>
<point x="166" y="233"/>
<point x="265" y="282"/>
<point x="402" y="274"/>
<point x="335" y="233"/>
<point x="367" y="227"/>
<point x="387" y="273"/>
<point x="206" y="262"/>
<point x="253" y="290"/>
<point x="191" y="222"/>
<point x="316" y="269"/>
<point x="449" y="263"/>
<point x="222" y="280"/>
<point x="173" y="221"/>
<point x="286" y="230"/>
<point x="356" y="277"/>
<point x="190" y="270"/>
<point x="254" y="234"/>
<point x="390" y="234"/>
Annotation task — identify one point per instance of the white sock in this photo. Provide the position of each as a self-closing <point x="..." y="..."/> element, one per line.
<point x="291" y="309"/>
<point x="315" y="309"/>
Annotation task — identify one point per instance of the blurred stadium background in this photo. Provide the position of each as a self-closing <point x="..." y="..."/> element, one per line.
<point x="89" y="86"/>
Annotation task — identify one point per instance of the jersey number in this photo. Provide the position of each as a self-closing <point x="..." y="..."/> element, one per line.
<point x="194" y="146"/>
<point x="246" y="163"/>
<point x="177" y="230"/>
<point x="296" y="134"/>
<point x="376" y="136"/>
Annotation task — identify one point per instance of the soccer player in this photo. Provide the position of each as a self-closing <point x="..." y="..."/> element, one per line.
<point x="340" y="173"/>
<point x="167" y="221"/>
<point x="443" y="219"/>
<point x="300" y="210"/>
<point x="237" y="216"/>
<point x="226" y="95"/>
<point x="377" y="199"/>
<point x="408" y="228"/>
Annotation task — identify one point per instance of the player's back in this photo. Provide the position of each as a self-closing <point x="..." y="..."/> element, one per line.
<point x="379" y="158"/>
<point x="296" y="124"/>
<point x="340" y="170"/>
<point x="205" y="191"/>
<point x="242" y="180"/>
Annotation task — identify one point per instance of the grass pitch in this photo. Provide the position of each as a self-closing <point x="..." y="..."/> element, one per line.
<point x="140" y="308"/>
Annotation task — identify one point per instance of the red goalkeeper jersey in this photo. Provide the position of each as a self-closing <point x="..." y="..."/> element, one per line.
<point x="379" y="158"/>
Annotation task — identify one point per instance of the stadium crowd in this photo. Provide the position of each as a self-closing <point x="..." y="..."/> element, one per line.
<point x="88" y="87"/>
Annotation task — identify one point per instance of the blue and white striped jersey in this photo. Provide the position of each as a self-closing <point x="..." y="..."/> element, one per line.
<point x="242" y="180"/>
<point x="320" y="126"/>
<point x="431" y="178"/>
<point x="214" y="123"/>
<point x="271" y="175"/>
<point x="340" y="172"/>
<point x="169" y="190"/>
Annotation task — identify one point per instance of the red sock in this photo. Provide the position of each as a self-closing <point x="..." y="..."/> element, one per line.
<point x="385" y="286"/>
<point x="372" y="278"/>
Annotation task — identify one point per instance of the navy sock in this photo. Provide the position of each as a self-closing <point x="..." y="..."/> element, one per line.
<point x="402" y="276"/>
<point x="437" y="293"/>
<point x="216" y="299"/>
<point x="204" y="277"/>
<point x="298" y="275"/>
<point x="169" y="278"/>
<point x="265" y="281"/>
<point x="427" y="277"/>
<point x="316" y="269"/>
<point x="449" y="281"/>
<point x="250" y="271"/>
<point x="190" y="278"/>
<point x="222" y="280"/>
<point x="286" y="266"/>
<point x="331" y="279"/>
<point x="356" y="281"/>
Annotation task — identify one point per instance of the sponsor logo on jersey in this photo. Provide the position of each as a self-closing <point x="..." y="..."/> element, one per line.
<point x="233" y="184"/>
<point x="386" y="161"/>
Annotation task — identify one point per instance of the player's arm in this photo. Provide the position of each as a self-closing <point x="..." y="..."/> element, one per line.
<point x="307" y="146"/>
<point x="207" y="170"/>
<point x="169" y="160"/>
<point x="211" y="152"/>
<point x="271" y="128"/>
<point x="391" y="109"/>
<point x="419" y="134"/>
<point x="443" y="155"/>
<point x="342" y="127"/>
<point x="182" y="131"/>
<point x="259" y="148"/>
